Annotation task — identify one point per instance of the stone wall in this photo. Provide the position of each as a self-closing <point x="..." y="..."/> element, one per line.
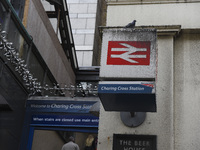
<point x="176" y="121"/>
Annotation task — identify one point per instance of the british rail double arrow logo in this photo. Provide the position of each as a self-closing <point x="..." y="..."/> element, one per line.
<point x="128" y="53"/>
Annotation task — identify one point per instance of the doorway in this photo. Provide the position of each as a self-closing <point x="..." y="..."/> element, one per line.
<point x="54" y="139"/>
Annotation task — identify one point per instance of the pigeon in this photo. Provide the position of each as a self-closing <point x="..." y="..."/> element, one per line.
<point x="131" y="25"/>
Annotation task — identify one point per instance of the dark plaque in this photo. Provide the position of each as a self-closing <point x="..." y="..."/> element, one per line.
<point x="134" y="142"/>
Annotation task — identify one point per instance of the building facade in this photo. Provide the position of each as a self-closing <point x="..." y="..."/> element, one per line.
<point x="47" y="57"/>
<point x="175" y="123"/>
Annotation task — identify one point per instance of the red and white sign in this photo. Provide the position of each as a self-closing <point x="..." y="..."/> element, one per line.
<point x="128" y="53"/>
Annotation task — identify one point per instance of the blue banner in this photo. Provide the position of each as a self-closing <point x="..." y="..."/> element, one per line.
<point x="126" y="88"/>
<point x="59" y="106"/>
<point x="65" y="120"/>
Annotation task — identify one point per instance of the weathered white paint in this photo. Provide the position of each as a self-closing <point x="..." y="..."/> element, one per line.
<point x="176" y="122"/>
<point x="159" y="123"/>
<point x="133" y="71"/>
<point x="187" y="92"/>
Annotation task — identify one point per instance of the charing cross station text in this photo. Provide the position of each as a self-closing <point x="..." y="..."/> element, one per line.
<point x="121" y="88"/>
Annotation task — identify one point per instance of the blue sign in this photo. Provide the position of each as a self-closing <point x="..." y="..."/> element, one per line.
<point x="65" y="120"/>
<point x="132" y="96"/>
<point x="59" y="106"/>
<point x="126" y="87"/>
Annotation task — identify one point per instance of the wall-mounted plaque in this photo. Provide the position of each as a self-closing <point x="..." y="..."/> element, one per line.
<point x="134" y="142"/>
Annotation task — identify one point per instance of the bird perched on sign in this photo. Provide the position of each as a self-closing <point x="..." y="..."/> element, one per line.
<point x="131" y="25"/>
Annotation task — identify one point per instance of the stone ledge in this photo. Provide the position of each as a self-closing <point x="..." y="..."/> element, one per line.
<point x="161" y="30"/>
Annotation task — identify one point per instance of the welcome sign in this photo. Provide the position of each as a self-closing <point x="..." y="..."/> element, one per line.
<point x="61" y="113"/>
<point x="59" y="106"/>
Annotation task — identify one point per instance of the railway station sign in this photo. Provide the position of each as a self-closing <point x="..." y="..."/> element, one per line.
<point x="128" y="53"/>
<point x="133" y="96"/>
<point x="61" y="113"/>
